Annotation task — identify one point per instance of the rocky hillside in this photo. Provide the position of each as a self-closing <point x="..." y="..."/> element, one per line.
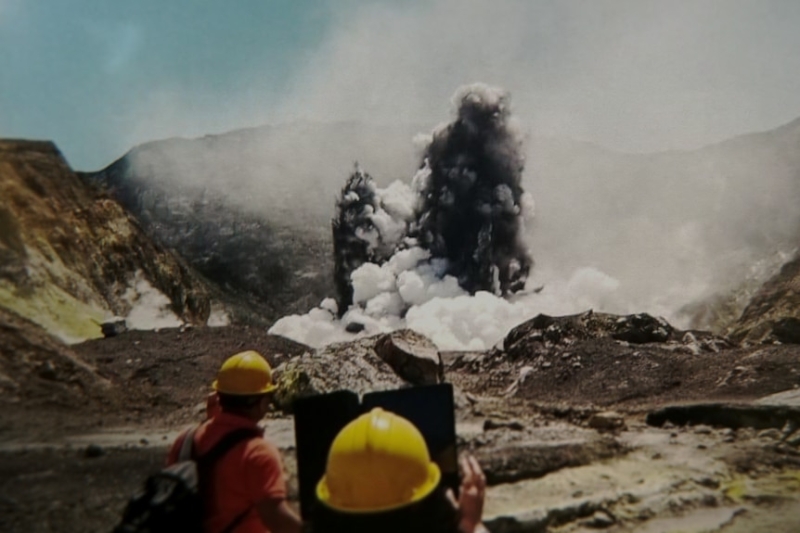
<point x="692" y="232"/>
<point x="71" y="257"/>
<point x="262" y="267"/>
<point x="773" y="315"/>
<point x="251" y="209"/>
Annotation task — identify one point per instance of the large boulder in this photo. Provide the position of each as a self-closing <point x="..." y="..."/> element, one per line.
<point x="412" y="356"/>
<point x="546" y="331"/>
<point x="351" y="365"/>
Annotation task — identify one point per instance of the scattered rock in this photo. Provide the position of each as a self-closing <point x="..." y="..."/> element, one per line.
<point x="524" y="372"/>
<point x="354" y="327"/>
<point x="728" y="435"/>
<point x="607" y="421"/>
<point x="738" y="376"/>
<point x="113" y="328"/>
<point x="788" y="429"/>
<point x="771" y="433"/>
<point x="94" y="450"/>
<point x="47" y="371"/>
<point x="690" y="343"/>
<point x="599" y="520"/>
<point x="514" y="425"/>
<point x="708" y="482"/>
<point x="412" y="356"/>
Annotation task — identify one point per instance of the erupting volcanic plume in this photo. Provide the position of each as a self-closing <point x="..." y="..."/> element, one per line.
<point x="363" y="232"/>
<point x="465" y="205"/>
<point x="470" y="210"/>
<point x="437" y="255"/>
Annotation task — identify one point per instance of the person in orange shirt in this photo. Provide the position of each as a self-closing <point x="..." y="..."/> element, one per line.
<point x="245" y="490"/>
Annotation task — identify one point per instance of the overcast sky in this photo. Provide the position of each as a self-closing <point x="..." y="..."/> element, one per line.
<point x="98" y="76"/>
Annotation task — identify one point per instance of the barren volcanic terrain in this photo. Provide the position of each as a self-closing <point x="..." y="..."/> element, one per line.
<point x="577" y="428"/>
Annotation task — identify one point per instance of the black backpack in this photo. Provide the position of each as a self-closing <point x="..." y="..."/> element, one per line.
<point x="172" y="499"/>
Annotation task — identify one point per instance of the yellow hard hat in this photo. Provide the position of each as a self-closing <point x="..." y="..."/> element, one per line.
<point x="246" y="373"/>
<point x="377" y="462"/>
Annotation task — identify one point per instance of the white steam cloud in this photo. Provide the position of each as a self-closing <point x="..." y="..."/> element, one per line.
<point x="150" y="308"/>
<point x="438" y="308"/>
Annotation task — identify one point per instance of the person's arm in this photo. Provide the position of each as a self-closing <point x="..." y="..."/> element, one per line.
<point x="175" y="450"/>
<point x="264" y="477"/>
<point x="278" y="517"/>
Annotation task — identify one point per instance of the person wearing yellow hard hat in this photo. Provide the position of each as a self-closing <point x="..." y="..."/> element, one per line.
<point x="245" y="489"/>
<point x="380" y="478"/>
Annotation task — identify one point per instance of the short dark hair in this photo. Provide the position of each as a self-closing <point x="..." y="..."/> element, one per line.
<point x="237" y="402"/>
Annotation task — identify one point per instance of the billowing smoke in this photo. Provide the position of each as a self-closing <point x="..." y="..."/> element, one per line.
<point x="363" y="231"/>
<point x="431" y="252"/>
<point x="465" y="207"/>
<point x="471" y="195"/>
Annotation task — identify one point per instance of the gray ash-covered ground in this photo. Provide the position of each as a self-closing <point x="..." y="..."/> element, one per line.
<point x="156" y="377"/>
<point x="175" y="366"/>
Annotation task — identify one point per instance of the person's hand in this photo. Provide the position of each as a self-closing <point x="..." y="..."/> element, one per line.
<point x="471" y="496"/>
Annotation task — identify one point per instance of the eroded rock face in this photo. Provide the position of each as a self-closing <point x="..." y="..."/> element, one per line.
<point x="546" y="330"/>
<point x="773" y="315"/>
<point x="266" y="259"/>
<point x="69" y="254"/>
<point x="412" y="356"/>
